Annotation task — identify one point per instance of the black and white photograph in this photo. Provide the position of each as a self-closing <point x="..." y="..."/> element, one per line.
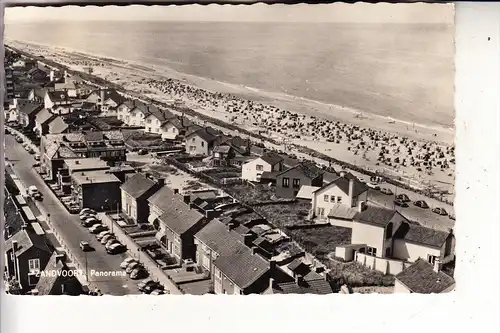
<point x="239" y="150"/>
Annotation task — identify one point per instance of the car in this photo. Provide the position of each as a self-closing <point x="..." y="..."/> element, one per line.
<point x="385" y="190"/>
<point x="90" y="222"/>
<point x="440" y="211"/>
<point x="143" y="283"/>
<point x="36" y="165"/>
<point x="111" y="242"/>
<point x="132" y="266"/>
<point x="403" y="198"/>
<point x="34" y="193"/>
<point x="107" y="238"/>
<point x="451" y="216"/>
<point x="152" y="286"/>
<point x="116" y="248"/>
<point x="88" y="210"/>
<point x="103" y="233"/>
<point x="421" y="204"/>
<point x="400" y="203"/>
<point x="127" y="262"/>
<point x="142" y="152"/>
<point x="97" y="228"/>
<point x="85" y="216"/>
<point x="373" y="186"/>
<point x="19" y="139"/>
<point x="31" y="151"/>
<point x="37" y="157"/>
<point x="139" y="273"/>
<point x="85" y="246"/>
<point x="158" y="292"/>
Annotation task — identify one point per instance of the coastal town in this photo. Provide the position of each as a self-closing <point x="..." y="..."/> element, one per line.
<point x="120" y="192"/>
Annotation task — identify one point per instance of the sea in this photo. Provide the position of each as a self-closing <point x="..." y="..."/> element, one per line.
<point x="403" y="71"/>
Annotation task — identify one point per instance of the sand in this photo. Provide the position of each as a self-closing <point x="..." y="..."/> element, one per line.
<point x="422" y="155"/>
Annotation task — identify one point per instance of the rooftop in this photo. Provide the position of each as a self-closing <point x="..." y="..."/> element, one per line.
<point x="306" y="192"/>
<point x="81" y="164"/>
<point x="272" y="158"/>
<point x="310" y="170"/>
<point x="312" y="283"/>
<point x="421" y="278"/>
<point x="342" y="182"/>
<point x="137" y="185"/>
<point x="94" y="177"/>
<point x="418" y="234"/>
<point x="374" y="215"/>
<point x="217" y="236"/>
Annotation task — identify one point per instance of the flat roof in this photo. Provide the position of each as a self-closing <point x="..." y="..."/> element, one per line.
<point x="94" y="177"/>
<point x="38" y="228"/>
<point x="93" y="163"/>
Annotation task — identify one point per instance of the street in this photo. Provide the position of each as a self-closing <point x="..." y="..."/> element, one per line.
<point x="69" y="228"/>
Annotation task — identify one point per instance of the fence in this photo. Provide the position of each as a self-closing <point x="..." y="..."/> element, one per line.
<point x="152" y="266"/>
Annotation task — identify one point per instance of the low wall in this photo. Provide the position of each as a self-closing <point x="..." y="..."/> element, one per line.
<point x="386" y="266"/>
<point x="308" y="226"/>
<point x="340" y="223"/>
<point x="346" y="252"/>
<point x="134" y="250"/>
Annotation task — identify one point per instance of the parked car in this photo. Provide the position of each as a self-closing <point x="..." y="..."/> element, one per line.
<point x="87" y="211"/>
<point x="403" y="198"/>
<point x="421" y="204"/>
<point x="385" y="190"/>
<point x="127" y="262"/>
<point x="102" y="234"/>
<point x="116" y="248"/>
<point x="111" y="242"/>
<point x="152" y="286"/>
<point x="158" y="292"/>
<point x="373" y="186"/>
<point x="400" y="203"/>
<point x="37" y="157"/>
<point x="133" y="265"/>
<point x="440" y="211"/>
<point x="85" y="246"/>
<point x="90" y="222"/>
<point x="31" y="151"/>
<point x="97" y="228"/>
<point x="107" y="238"/>
<point x="19" y="139"/>
<point x="144" y="282"/>
<point x="142" y="152"/>
<point x="85" y="217"/>
<point x="139" y="273"/>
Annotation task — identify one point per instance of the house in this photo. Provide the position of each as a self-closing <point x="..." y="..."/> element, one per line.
<point x="175" y="128"/>
<point x="57" y="125"/>
<point x="123" y="110"/>
<point x="288" y="182"/>
<point x="107" y="101"/>
<point x="56" y="98"/>
<point x="309" y="283"/>
<point x="26" y="254"/>
<point x="176" y="222"/>
<point x="241" y="272"/>
<point x="230" y="151"/>
<point x="36" y="74"/>
<point x="27" y="111"/>
<point x="38" y="94"/>
<point x="200" y="140"/>
<point x="98" y="190"/>
<point x="252" y="170"/>
<point x="11" y="115"/>
<point x="55" y="148"/>
<point x="423" y="278"/>
<point x="156" y="118"/>
<point x="345" y="190"/>
<point x="136" y="116"/>
<point x="83" y="90"/>
<point x="42" y="120"/>
<point x="135" y="193"/>
<point x="385" y="240"/>
<point x="56" y="279"/>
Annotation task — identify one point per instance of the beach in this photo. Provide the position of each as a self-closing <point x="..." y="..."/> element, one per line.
<point x="421" y="154"/>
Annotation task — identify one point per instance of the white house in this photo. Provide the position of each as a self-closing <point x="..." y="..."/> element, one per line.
<point x="107" y="100"/>
<point x="123" y="110"/>
<point x="174" y="128"/>
<point x="252" y="170"/>
<point x="346" y="190"/>
<point x="137" y="115"/>
<point x="57" y="98"/>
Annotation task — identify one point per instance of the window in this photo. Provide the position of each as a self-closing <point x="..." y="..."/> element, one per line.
<point x="296" y="182"/>
<point x="259" y="167"/>
<point x="321" y="212"/>
<point x="34" y="265"/>
<point x="431" y="259"/>
<point x="339" y="199"/>
<point x="149" y="129"/>
<point x="148" y="121"/>
<point x="173" y="129"/>
<point x="371" y="251"/>
<point x="203" y="144"/>
<point x="192" y="140"/>
<point x="286" y="182"/>
<point x="326" y="197"/>
<point x="157" y="121"/>
<point x="388" y="231"/>
<point x="218" y="274"/>
<point x="388" y="252"/>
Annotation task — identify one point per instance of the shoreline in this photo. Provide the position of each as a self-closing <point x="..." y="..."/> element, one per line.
<point x="159" y="87"/>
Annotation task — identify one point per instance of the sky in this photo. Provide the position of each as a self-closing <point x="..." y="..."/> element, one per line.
<point x="337" y="12"/>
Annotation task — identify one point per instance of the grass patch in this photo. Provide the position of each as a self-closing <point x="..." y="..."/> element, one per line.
<point x="285" y="214"/>
<point x="246" y="193"/>
<point x="164" y="169"/>
<point x="321" y="241"/>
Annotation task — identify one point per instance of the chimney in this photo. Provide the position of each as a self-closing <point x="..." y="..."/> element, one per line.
<point x="77" y="162"/>
<point x="351" y="188"/>
<point x="60" y="257"/>
<point x="272" y="265"/>
<point x="342" y="173"/>
<point x="14" y="246"/>
<point x="176" y="191"/>
<point x="271" y="283"/>
<point x="247" y="239"/>
<point x="65" y="75"/>
<point x="103" y="92"/>
<point x="361" y="206"/>
<point x="51" y="75"/>
<point x="211" y="214"/>
<point x="255" y="250"/>
<point x="299" y="279"/>
<point x="187" y="199"/>
<point x="437" y="265"/>
<point x="231" y="226"/>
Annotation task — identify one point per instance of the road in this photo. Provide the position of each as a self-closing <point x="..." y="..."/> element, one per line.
<point x="69" y="228"/>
